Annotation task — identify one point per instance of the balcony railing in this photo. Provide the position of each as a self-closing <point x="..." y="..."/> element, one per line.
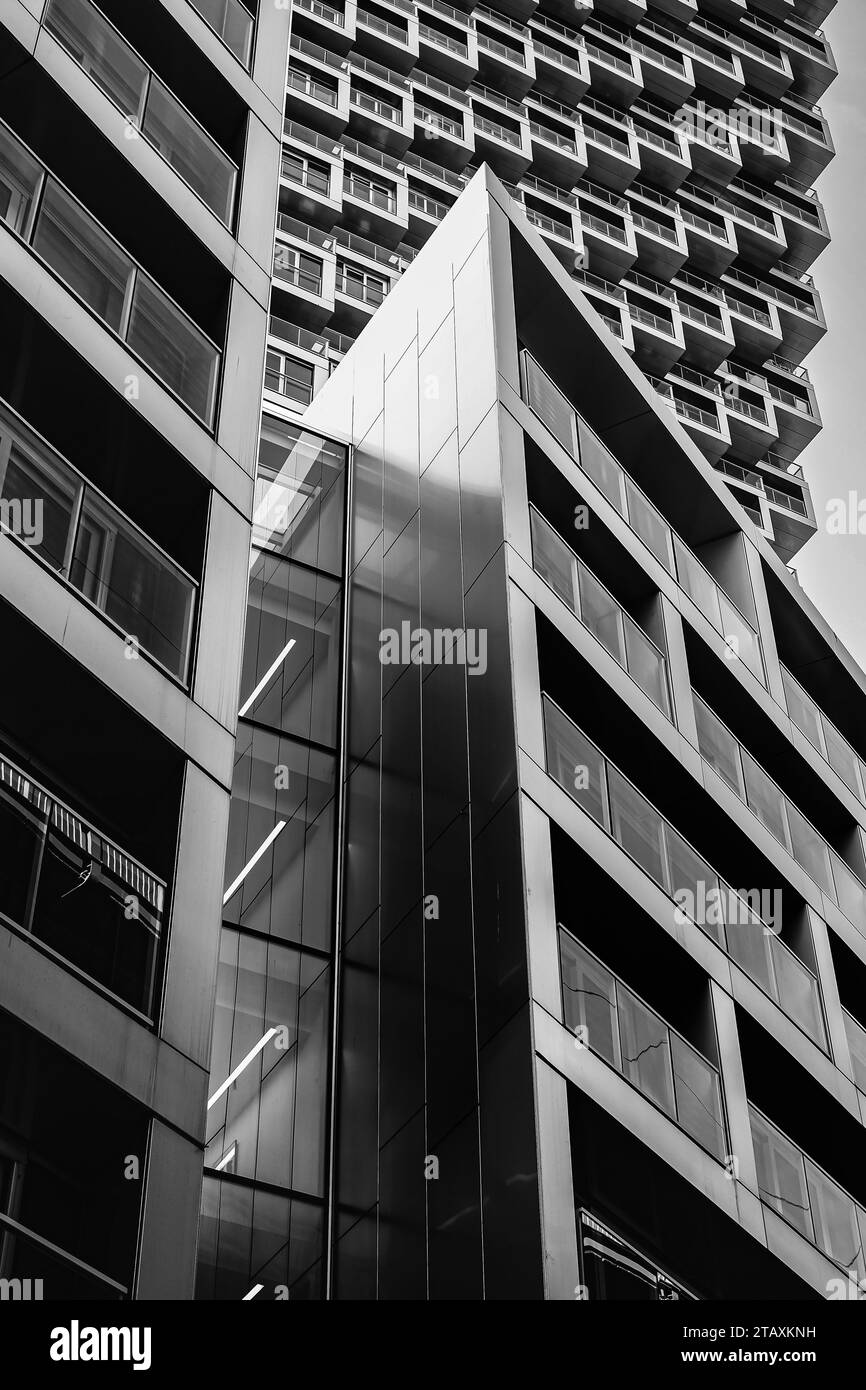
<point x="115" y="67"/>
<point x="377" y="105"/>
<point x="548" y="224"/>
<point x="426" y="31"/>
<point x="431" y="206"/>
<point x="83" y="538"/>
<point x="326" y="12"/>
<point x="765" y="799"/>
<point x="424" y="116"/>
<point x="302" y="82"/>
<point x="558" y="415"/>
<point x="702" y="896"/>
<point x="824" y="737"/>
<point x="97" y="269"/>
<point x="635" y="1040"/>
<point x="368" y="292"/>
<point x="382" y="26"/>
<point x="807" y="1198"/>
<point x="502" y="50"/>
<point x="786" y="500"/>
<point x="500" y="132"/>
<point x="75" y="890"/>
<point x="599" y="612"/>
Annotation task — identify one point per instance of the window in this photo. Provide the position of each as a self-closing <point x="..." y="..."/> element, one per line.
<point x="129" y="580"/>
<point x="589" y="1000"/>
<point x="118" y="71"/>
<point x="781" y="1175"/>
<point x="99" y="49"/>
<point x="612" y="1270"/>
<point x="84" y="256"/>
<point x="232" y="21"/>
<point x="576" y="763"/>
<point x="547" y="402"/>
<point x="314" y="174"/>
<point x="637" y="826"/>
<point x="20" y="177"/>
<point x="189" y="150"/>
<point x="298" y="268"/>
<point x="370" y="190"/>
<point x="719" y="748"/>
<point x="360" y="284"/>
<point x="289" y="377"/>
<point x="601" y="613"/>
<point x="91" y="544"/>
<point x="179" y="354"/>
<point x="646" y="1053"/>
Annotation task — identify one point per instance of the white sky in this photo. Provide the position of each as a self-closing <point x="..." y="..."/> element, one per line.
<point x="833" y="568"/>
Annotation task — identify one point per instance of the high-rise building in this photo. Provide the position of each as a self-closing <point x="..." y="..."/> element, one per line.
<point x="139" y="159"/>
<point x="538" y="968"/>
<point x="584" y="1016"/>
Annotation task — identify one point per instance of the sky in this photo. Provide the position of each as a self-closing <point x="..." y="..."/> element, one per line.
<point x="832" y="568"/>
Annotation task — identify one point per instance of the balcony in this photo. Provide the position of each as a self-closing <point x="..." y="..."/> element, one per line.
<point x="557" y="141"/>
<point x="810" y="145"/>
<point x="806" y="1198"/>
<point x="447" y="45"/>
<point x="611" y="148"/>
<point x="394" y="44"/>
<point x="807" y="50"/>
<point x="311" y="174"/>
<point x="699" y="415"/>
<point x="316" y="94"/>
<point x="824" y="737"/>
<point x="88" y="543"/>
<point x="659" y="232"/>
<point x="636" y="1042"/>
<point x="331" y="25"/>
<point x="599" y="612"/>
<point x="380" y="107"/>
<point x="118" y="71"/>
<point x="75" y="891"/>
<point x="615" y="73"/>
<point x="97" y="270"/>
<point x="765" y="70"/>
<point x="662" y="148"/>
<point x="702" y="896"/>
<point x="501" y="134"/>
<point x="667" y="75"/>
<point x="558" y="415"/>
<point x="303" y="273"/>
<point x="797" y="213"/>
<point x="505" y="57"/>
<point x="715" y="69"/>
<point x="778" y="814"/>
<point x="607" y="231"/>
<point x="711" y="241"/>
<point x="792" y="298"/>
<point x="375" y="199"/>
<point x="561" y="66"/>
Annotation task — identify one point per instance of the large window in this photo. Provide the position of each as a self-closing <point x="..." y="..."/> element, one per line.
<point x="77" y="891"/>
<point x="117" y="69"/>
<point x="232" y="21"/>
<point x="700" y="894"/>
<point x="97" y="269"/>
<point x="68" y="1214"/>
<point x="289" y="377"/>
<point x="51" y="510"/>
<point x="360" y="284"/>
<point x="298" y="268"/>
<point x="613" y="1022"/>
<point x="613" y="1270"/>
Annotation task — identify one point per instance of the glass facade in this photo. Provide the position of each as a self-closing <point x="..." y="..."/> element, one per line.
<point x="266" y="1161"/>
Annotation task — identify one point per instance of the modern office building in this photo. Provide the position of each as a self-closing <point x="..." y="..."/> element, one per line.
<point x="139" y="160"/>
<point x="513" y="684"/>
<point x="598" y="995"/>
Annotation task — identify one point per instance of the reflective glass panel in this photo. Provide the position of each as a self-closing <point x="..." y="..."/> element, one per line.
<point x="646" y="1056"/>
<point x="576" y="763"/>
<point x="84" y="256"/>
<point x="637" y="826"/>
<point x="174" y="348"/>
<point x="189" y="150"/>
<point x="589" y="999"/>
<point x="781" y="1174"/>
<point x="698" y="1096"/>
